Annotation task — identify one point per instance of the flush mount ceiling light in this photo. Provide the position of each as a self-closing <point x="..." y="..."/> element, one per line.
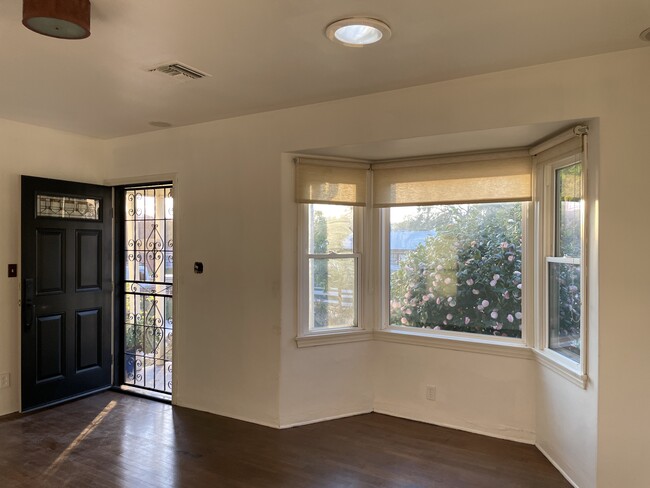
<point x="358" y="31"/>
<point x="63" y="19"/>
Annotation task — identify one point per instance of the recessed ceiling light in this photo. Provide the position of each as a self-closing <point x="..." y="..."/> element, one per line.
<point x="358" y="31"/>
<point x="645" y="35"/>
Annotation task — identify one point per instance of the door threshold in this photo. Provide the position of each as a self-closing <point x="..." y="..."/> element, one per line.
<point x="145" y="393"/>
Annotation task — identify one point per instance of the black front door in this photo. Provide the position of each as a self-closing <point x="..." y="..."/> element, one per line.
<point x="67" y="287"/>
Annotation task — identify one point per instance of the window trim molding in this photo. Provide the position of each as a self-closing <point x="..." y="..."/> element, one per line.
<point x="478" y="345"/>
<point x="463" y="338"/>
<point x="339" y="336"/>
<point x="556" y="363"/>
<point x="545" y="203"/>
<point x="305" y="336"/>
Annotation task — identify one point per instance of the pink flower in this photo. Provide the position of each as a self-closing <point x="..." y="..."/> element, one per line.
<point x="493" y="283"/>
<point x="449" y="316"/>
<point x="519" y="315"/>
<point x="480" y="308"/>
<point x="504" y="245"/>
<point x="404" y="321"/>
<point x="438" y="301"/>
<point x="510" y="318"/>
<point x="485" y="303"/>
<point x="408" y="311"/>
<point x="496" y="277"/>
<point x="470" y="282"/>
<point x="447" y="281"/>
<point x="466" y="320"/>
<point x="437" y="327"/>
<point x="494" y="314"/>
<point x="499" y="326"/>
<point x="475" y="291"/>
<point x="519" y="286"/>
<point x="511" y="258"/>
<point x="506" y="294"/>
<point x="425" y="298"/>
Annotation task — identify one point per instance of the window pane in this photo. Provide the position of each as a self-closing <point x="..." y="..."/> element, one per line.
<point x="332" y="292"/>
<point x="68" y="207"/>
<point x="457" y="268"/>
<point x="564" y="309"/>
<point x="331" y="229"/>
<point x="568" y="181"/>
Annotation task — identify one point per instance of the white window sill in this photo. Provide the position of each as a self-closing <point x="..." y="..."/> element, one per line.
<point x="334" y="337"/>
<point x="467" y="344"/>
<point x="547" y="360"/>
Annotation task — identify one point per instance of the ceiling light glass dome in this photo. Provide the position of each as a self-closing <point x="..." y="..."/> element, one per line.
<point x="358" y="31"/>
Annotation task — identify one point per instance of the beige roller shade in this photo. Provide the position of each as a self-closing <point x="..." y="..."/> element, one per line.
<point x="569" y="143"/>
<point x="477" y="178"/>
<point x="340" y="183"/>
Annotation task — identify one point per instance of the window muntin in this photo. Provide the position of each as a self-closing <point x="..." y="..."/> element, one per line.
<point x="457" y="268"/>
<point x="564" y="265"/>
<point x="332" y="266"/>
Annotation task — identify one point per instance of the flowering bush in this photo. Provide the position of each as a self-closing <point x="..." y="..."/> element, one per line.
<point x="565" y="313"/>
<point x="465" y="278"/>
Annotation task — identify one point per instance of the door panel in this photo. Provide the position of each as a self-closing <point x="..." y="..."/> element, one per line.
<point x="50" y="347"/>
<point x="66" y="307"/>
<point x="89" y="259"/>
<point x="50" y="261"/>
<point x="89" y="326"/>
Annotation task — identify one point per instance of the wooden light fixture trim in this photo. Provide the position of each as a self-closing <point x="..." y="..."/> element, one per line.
<point x="74" y="11"/>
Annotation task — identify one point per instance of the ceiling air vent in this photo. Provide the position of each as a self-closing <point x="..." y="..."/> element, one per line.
<point x="179" y="71"/>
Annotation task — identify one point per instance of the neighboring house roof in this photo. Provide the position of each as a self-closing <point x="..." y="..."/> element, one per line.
<point x="407" y="240"/>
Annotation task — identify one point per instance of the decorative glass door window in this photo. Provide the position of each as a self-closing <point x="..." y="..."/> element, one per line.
<point x="66" y="207"/>
<point x="148" y="287"/>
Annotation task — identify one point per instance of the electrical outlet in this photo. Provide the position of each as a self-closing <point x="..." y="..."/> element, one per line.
<point x="431" y="393"/>
<point x="4" y="380"/>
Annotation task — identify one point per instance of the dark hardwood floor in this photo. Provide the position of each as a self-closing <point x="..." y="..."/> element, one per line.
<point x="115" y="440"/>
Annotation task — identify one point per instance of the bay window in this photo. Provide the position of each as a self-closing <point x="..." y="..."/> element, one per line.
<point x="449" y="248"/>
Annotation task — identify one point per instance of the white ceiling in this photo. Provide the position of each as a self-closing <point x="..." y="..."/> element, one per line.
<point x="269" y="54"/>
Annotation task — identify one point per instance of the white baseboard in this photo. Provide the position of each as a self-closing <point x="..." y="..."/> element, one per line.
<point x="557" y="466"/>
<point x="324" y="419"/>
<point x="526" y="438"/>
<point x="230" y="415"/>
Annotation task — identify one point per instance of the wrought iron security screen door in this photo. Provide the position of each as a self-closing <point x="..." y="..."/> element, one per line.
<point x="148" y="287"/>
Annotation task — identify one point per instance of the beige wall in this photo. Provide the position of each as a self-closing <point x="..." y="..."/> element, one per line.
<point x="236" y="323"/>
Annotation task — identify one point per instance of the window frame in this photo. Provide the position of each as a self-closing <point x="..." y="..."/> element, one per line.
<point x="546" y="245"/>
<point x="462" y="340"/>
<point x="307" y="336"/>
